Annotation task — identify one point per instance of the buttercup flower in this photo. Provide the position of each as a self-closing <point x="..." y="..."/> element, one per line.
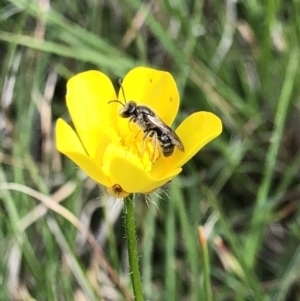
<point x="112" y="150"/>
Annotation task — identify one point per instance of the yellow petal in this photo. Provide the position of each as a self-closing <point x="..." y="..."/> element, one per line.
<point x="87" y="97"/>
<point x="195" y="132"/>
<point x="153" y="88"/>
<point x="68" y="143"/>
<point x="133" y="179"/>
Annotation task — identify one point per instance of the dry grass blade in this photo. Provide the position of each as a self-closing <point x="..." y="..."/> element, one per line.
<point x="49" y="203"/>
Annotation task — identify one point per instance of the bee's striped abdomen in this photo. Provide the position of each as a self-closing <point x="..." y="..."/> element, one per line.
<point x="167" y="147"/>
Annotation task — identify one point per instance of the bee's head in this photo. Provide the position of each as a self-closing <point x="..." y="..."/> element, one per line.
<point x="128" y="109"/>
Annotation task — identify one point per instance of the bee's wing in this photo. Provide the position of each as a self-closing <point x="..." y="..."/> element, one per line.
<point x="156" y="121"/>
<point x="166" y="130"/>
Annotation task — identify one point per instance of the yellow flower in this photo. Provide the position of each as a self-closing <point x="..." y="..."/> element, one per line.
<point x="110" y="149"/>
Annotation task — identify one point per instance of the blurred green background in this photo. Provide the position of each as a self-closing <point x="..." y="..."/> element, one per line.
<point x="237" y="59"/>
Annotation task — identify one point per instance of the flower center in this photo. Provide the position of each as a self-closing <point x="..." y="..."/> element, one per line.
<point x="140" y="152"/>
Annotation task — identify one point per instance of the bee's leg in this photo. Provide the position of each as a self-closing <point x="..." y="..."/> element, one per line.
<point x="154" y="134"/>
<point x="137" y="134"/>
<point x="129" y="125"/>
<point x="131" y="119"/>
<point x="146" y="134"/>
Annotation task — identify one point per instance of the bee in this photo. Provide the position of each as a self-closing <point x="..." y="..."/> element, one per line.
<point x="151" y="125"/>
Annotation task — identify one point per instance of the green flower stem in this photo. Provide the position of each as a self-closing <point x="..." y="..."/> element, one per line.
<point x="132" y="248"/>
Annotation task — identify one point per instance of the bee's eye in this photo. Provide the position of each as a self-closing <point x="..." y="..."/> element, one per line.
<point x="131" y="108"/>
<point x="128" y="110"/>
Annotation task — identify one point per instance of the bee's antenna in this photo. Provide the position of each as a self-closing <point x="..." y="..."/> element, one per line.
<point x="118" y="101"/>
<point x="123" y="93"/>
<point x="122" y="89"/>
